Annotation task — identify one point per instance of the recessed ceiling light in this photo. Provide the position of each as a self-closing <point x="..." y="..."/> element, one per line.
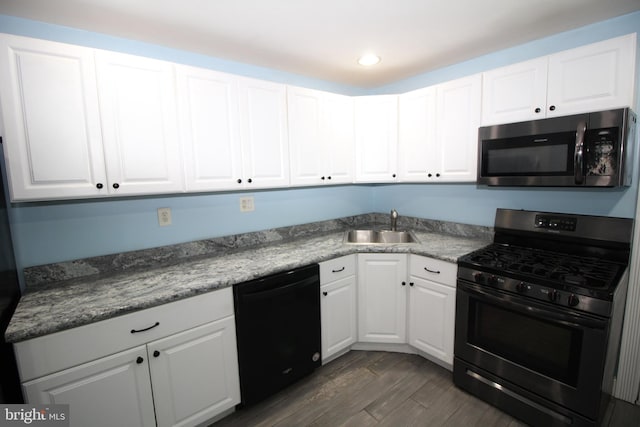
<point x="368" y="60"/>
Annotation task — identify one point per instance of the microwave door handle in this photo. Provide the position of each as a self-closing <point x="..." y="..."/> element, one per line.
<point x="578" y="160"/>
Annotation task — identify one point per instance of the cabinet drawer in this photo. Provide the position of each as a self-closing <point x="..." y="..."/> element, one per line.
<point x="338" y="268"/>
<point x="433" y="269"/>
<point x="54" y="352"/>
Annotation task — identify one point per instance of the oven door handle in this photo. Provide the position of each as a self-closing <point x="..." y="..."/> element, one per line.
<point x="532" y="308"/>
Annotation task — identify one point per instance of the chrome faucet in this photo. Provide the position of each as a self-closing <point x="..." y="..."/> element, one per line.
<point x="394" y="220"/>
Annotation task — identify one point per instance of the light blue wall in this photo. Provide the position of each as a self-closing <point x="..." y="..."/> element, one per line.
<point x="52" y="232"/>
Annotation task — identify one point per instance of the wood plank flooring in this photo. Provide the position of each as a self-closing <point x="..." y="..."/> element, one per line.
<point x="364" y="388"/>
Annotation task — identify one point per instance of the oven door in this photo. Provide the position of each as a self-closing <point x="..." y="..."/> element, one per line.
<point x="547" y="350"/>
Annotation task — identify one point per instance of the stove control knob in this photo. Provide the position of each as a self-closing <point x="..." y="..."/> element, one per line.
<point x="522" y="287"/>
<point x="478" y="277"/>
<point x="552" y="294"/>
<point x="492" y="280"/>
<point x="573" y="300"/>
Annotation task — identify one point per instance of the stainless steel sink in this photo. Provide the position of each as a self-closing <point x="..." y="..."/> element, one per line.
<point x="379" y="237"/>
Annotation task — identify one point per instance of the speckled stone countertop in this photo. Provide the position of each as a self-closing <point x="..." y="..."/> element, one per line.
<point x="66" y="295"/>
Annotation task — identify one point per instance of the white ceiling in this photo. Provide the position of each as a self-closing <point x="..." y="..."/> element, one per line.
<point x="323" y="38"/>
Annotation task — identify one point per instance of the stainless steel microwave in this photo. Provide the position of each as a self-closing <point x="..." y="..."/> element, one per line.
<point x="583" y="150"/>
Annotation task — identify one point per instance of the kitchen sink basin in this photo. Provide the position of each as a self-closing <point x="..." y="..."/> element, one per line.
<point x="379" y="237"/>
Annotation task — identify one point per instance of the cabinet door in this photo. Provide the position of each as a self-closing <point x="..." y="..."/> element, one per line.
<point x="376" y="124"/>
<point x="515" y="93"/>
<point x="209" y="129"/>
<point x="458" y="121"/>
<point x="305" y="136"/>
<point x="137" y="101"/>
<point x="382" y="298"/>
<point x="263" y="132"/>
<point x="338" y="138"/>
<point x="195" y="374"/>
<point x="595" y="77"/>
<point x="431" y="318"/>
<point x="53" y="139"/>
<point x="112" y="391"/>
<point x="338" y="314"/>
<point x="417" y="144"/>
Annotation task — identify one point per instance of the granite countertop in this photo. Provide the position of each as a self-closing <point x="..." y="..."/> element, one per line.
<point x="77" y="301"/>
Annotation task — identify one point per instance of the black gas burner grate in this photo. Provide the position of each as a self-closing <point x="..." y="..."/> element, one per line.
<point x="587" y="272"/>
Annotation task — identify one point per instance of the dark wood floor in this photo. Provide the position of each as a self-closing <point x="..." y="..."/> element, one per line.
<point x="365" y="388"/>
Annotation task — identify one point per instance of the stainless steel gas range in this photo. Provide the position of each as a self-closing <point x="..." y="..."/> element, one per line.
<point x="539" y="314"/>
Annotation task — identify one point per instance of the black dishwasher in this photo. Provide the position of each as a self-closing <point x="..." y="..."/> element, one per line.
<point x="278" y="330"/>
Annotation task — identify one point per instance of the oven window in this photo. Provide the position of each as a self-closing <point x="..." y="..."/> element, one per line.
<point x="551" y="349"/>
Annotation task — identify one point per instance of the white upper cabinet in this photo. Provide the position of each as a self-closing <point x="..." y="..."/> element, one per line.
<point x="515" y="93"/>
<point x="321" y="137"/>
<point x="52" y="138"/>
<point x="209" y="129"/>
<point x="438" y="128"/>
<point x="458" y="122"/>
<point x="417" y="137"/>
<point x="376" y="119"/>
<point x="339" y="137"/>
<point x="595" y="77"/>
<point x="263" y="133"/>
<point x="140" y="124"/>
<point x="598" y="76"/>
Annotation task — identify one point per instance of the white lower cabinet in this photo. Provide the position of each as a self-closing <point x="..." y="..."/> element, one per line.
<point x="382" y="297"/>
<point x="432" y="306"/>
<point x="183" y="379"/>
<point x="407" y="299"/>
<point x="114" y="390"/>
<point x="338" y="308"/>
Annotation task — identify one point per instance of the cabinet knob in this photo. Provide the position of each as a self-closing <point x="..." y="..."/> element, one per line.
<point x="552" y="108"/>
<point x="139" y="360"/>
<point x="324" y="293"/>
<point x="429" y="175"/>
<point x="404" y="283"/>
<point x="99" y="186"/>
<point x="322" y="178"/>
<point x="239" y="181"/>
<point x="249" y="180"/>
<point x="393" y="176"/>
<point x="116" y="185"/>
<point x="437" y="175"/>
<point x="329" y="177"/>
<point x="156" y="353"/>
<point x="537" y="110"/>
<point x="410" y="283"/>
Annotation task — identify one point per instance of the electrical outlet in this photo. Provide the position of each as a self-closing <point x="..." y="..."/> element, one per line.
<point x="164" y="217"/>
<point x="247" y="204"/>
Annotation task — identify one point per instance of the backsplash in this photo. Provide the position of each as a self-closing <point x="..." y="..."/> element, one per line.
<point x="41" y="275"/>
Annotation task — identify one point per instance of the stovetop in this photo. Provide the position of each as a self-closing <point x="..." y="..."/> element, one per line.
<point x="563" y="270"/>
<point x="575" y="261"/>
<point x="577" y="282"/>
